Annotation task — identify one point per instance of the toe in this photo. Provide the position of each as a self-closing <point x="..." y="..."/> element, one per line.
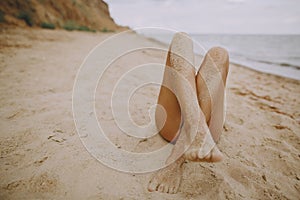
<point x="191" y="155"/>
<point x="194" y="155"/>
<point x="166" y="189"/>
<point x="177" y="184"/>
<point x="152" y="185"/>
<point x="208" y="157"/>
<point x="175" y="190"/>
<point x="171" y="190"/>
<point x="161" y="188"/>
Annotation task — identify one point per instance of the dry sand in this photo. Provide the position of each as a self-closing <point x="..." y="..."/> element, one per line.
<point x="42" y="156"/>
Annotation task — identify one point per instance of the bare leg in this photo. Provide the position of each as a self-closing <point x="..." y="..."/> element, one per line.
<point x="169" y="126"/>
<point x="180" y="78"/>
<point x="211" y="82"/>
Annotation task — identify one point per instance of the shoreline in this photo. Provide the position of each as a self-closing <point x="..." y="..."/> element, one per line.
<point x="152" y="39"/>
<point x="42" y="156"/>
<point x="280" y="69"/>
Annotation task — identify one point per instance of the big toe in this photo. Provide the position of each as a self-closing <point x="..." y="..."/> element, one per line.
<point x="152" y="186"/>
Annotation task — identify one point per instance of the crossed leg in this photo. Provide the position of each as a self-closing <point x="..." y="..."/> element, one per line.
<point x="182" y="109"/>
<point x="211" y="82"/>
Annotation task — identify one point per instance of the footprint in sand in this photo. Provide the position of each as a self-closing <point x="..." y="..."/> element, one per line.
<point x="40" y="183"/>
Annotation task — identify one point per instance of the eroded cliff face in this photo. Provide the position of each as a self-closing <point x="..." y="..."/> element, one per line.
<point x="90" y="14"/>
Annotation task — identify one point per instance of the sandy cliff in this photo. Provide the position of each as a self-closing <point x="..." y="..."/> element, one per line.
<point x="68" y="14"/>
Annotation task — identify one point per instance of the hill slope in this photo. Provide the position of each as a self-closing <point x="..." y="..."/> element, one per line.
<point x="89" y="14"/>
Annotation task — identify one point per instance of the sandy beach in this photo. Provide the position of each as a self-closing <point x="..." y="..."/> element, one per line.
<point x="42" y="156"/>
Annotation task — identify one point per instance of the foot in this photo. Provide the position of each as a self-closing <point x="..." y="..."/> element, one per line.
<point x="213" y="156"/>
<point x="203" y="150"/>
<point x="167" y="180"/>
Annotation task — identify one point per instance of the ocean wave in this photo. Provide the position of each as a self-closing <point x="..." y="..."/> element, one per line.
<point x="283" y="64"/>
<point x="238" y="56"/>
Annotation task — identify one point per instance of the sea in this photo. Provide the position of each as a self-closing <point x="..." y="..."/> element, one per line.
<point x="274" y="54"/>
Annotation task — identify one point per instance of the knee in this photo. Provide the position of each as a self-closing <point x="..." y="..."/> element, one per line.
<point x="182" y="41"/>
<point x="181" y="35"/>
<point x="220" y="56"/>
<point x="181" y="54"/>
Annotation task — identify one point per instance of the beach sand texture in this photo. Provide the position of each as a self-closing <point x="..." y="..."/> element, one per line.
<point x="42" y="156"/>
